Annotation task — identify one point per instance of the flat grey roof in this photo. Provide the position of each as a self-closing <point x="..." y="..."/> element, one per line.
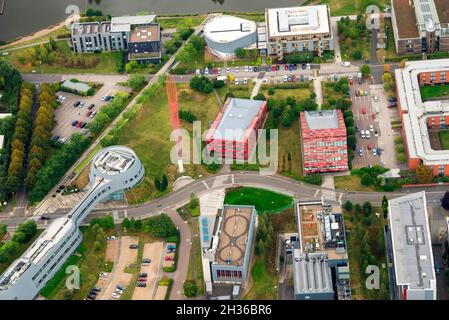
<point x="78" y="86"/>
<point x="123" y="24"/>
<point x="412" y="247"/>
<point x="311" y="273"/>
<point x="237" y="118"/>
<point x="325" y="119"/>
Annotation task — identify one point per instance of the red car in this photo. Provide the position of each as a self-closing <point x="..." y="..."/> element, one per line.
<point x="142" y="280"/>
<point x="373" y="116"/>
<point x="364" y="110"/>
<point x="89" y="113"/>
<point x="215" y="71"/>
<point x="79" y="124"/>
<point x="286" y="67"/>
<point x="273" y="68"/>
<point x="168" y="258"/>
<point x="351" y="82"/>
<point x="293" y="78"/>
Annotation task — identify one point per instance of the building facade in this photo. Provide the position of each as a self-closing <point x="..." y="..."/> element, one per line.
<point x="420" y="26"/>
<point x="324" y="145"/>
<point x="410" y="239"/>
<point x="234" y="133"/>
<point x="137" y="35"/>
<point x="232" y="243"/>
<point x="298" y="29"/>
<point x="225" y="34"/>
<point x="114" y="169"/>
<point x="421" y="118"/>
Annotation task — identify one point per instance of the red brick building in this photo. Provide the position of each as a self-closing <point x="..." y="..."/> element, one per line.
<point x="234" y="132"/>
<point x="324" y="146"/>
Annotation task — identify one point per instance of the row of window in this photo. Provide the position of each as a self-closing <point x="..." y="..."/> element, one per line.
<point x="325" y="167"/>
<point x="236" y="274"/>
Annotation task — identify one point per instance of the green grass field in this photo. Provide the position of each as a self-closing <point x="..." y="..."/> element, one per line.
<point x="436" y="91"/>
<point x="264" y="200"/>
<point x="348" y="7"/>
<point x="148" y="134"/>
<point x="444" y="138"/>
<point x="264" y="282"/>
<point x="351" y="182"/>
<point x="176" y="22"/>
<point x="53" y="34"/>
<point x="107" y="64"/>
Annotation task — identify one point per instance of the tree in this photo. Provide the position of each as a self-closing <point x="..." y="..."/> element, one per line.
<point x="190" y="289"/>
<point x="385" y="206"/>
<point x="445" y="200"/>
<point x="240" y="53"/>
<point x="348" y="206"/>
<point x="157" y="183"/>
<point x="367" y="208"/>
<point x="365" y="70"/>
<point x="366" y="179"/>
<point x="424" y="174"/>
<point x="358" y="208"/>
<point x="159" y="226"/>
<point x="137" y="81"/>
<point x="194" y="202"/>
<point x="126" y="223"/>
<point x="164" y="183"/>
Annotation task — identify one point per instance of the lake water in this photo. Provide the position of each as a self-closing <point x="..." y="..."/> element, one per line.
<point x="22" y="17"/>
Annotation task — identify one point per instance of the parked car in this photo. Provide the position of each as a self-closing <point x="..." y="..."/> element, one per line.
<point x="228" y="70"/>
<point x="237" y="69"/>
<point x="141" y="284"/>
<point x="89" y="113"/>
<point x="293" y="78"/>
<point x="357" y="93"/>
<point x="103" y="274"/>
<point x="91" y="297"/>
<point x="168" y="258"/>
<point x="236" y="82"/>
<point x="45" y="217"/>
<point x="91" y="106"/>
<point x="93" y="114"/>
<point x="81" y="104"/>
<point x="146" y="260"/>
<point x="361" y="152"/>
<point x="371" y="128"/>
<point x="346" y="64"/>
<point x="278" y="67"/>
<point x="63" y="140"/>
<point x="83" y="125"/>
<point x="245" y="81"/>
<point x="120" y="287"/>
<point x="374" y="152"/>
<point x="93" y="292"/>
<point x="363" y="110"/>
<point x="303" y="66"/>
<point x="133" y="246"/>
<point x="198" y="72"/>
<point x="111" y="237"/>
<point x="308" y="66"/>
<point x="285" y="78"/>
<point x="96" y="289"/>
<point x="206" y="71"/>
<point x="142" y="275"/>
<point x="76" y="104"/>
<point x="286" y="67"/>
<point x="115" y="296"/>
<point x="74" y="123"/>
<point x="142" y="279"/>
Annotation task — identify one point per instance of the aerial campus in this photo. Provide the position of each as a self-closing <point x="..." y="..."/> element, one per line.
<point x="290" y="153"/>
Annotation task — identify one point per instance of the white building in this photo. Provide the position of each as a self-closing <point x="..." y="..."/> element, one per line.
<point x="225" y="34"/>
<point x="412" y="248"/>
<point x="298" y="29"/>
<point x="114" y="170"/>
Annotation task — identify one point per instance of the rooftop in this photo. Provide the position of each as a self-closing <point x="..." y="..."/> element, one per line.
<point x="319" y="120"/>
<point x="233" y="239"/>
<point x="406" y="19"/>
<point x="123" y="24"/>
<point x="298" y="21"/>
<point x="91" y="27"/>
<point x="312" y="273"/>
<point x="145" y="33"/>
<point x="412" y="247"/>
<point x="112" y="162"/>
<point x="321" y="229"/>
<point x="237" y="117"/>
<point x="417" y="111"/>
<point x="77" y="86"/>
<point x="443" y="10"/>
<point x="228" y="28"/>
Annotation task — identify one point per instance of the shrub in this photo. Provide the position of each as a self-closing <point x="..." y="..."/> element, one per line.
<point x="160" y="226"/>
<point x="315" y="179"/>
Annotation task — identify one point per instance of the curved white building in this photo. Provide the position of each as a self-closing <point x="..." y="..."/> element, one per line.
<point x="114" y="170"/>
<point x="224" y="34"/>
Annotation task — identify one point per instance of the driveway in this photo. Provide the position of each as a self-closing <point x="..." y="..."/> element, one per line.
<point x="185" y="245"/>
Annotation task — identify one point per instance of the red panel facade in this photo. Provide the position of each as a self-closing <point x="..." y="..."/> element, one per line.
<point x="234" y="149"/>
<point x="324" y="150"/>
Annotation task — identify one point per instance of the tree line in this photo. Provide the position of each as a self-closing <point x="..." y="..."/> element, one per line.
<point x="20" y="138"/>
<point x="40" y="140"/>
<point x="25" y="232"/>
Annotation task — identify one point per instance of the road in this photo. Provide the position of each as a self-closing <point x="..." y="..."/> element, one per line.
<point x="277" y="183"/>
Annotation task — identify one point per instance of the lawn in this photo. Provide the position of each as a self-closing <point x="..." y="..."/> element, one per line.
<point x="373" y="234"/>
<point x="348" y="7"/>
<point x="90" y="264"/>
<point x="435" y="91"/>
<point x="148" y="134"/>
<point x="264" y="282"/>
<point x="198" y="264"/>
<point x="107" y="64"/>
<point x="444" y="138"/>
<point x="264" y="200"/>
<point x="351" y="182"/>
<point x="241" y="91"/>
<point x="253" y="16"/>
<point x="83" y="164"/>
<point x="174" y="22"/>
<point x="300" y="93"/>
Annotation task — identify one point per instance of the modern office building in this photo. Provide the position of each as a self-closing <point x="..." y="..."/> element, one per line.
<point x="320" y="264"/>
<point x="422" y="120"/>
<point x="225" y="34"/>
<point x="234" y="133"/>
<point x="114" y="169"/>
<point x="412" y="248"/>
<point x="298" y="29"/>
<point x="230" y="251"/>
<point x="420" y="26"/>
<point x="324" y="145"/>
<point x="140" y="36"/>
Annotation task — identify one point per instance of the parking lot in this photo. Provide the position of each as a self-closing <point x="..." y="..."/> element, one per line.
<point x="366" y="111"/>
<point x="66" y="113"/>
